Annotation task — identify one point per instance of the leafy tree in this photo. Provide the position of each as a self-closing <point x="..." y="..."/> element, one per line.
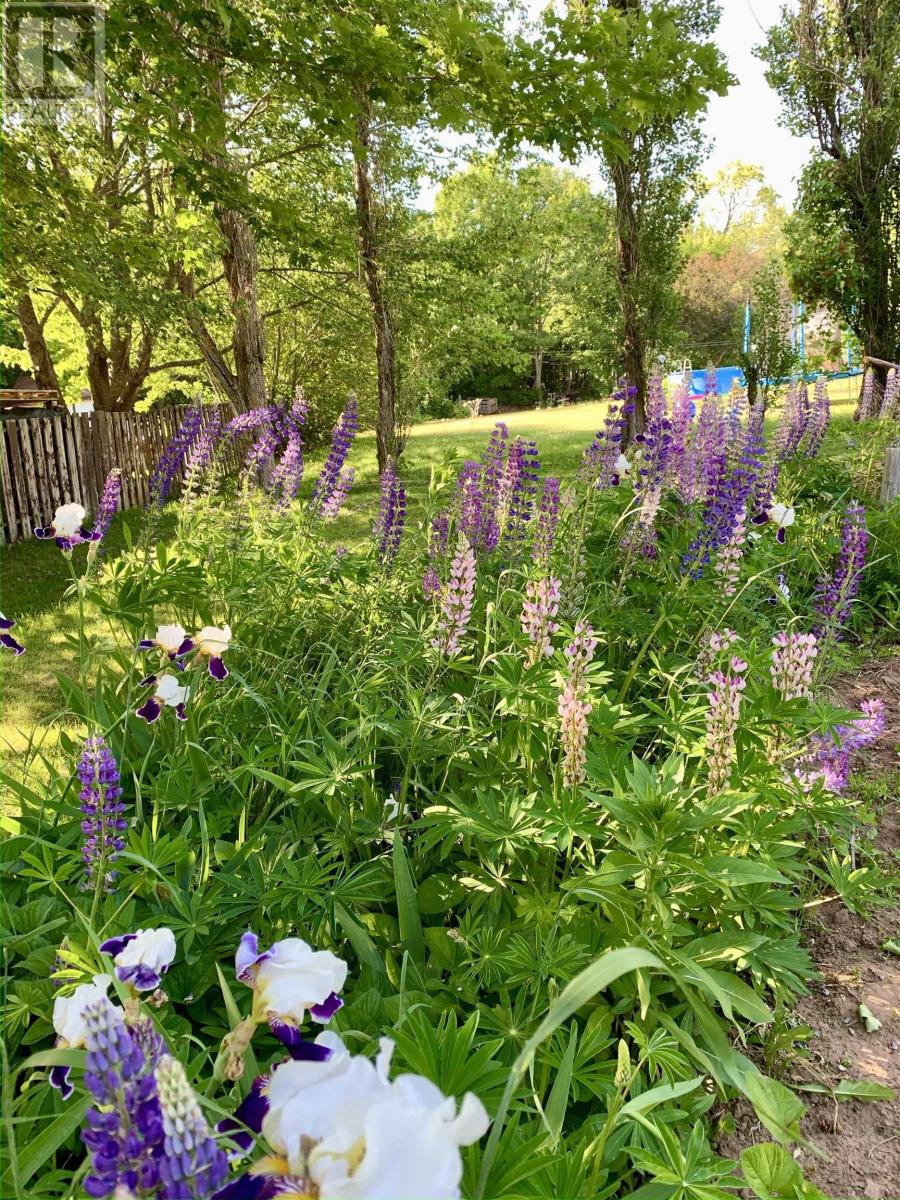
<point x="737" y="230"/>
<point x="835" y="68"/>
<point x="770" y="355"/>
<point x="515" y="239"/>
<point x="629" y="78"/>
<point x="84" y="225"/>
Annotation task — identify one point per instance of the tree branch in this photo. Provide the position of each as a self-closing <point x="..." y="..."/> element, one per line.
<point x="176" y="362"/>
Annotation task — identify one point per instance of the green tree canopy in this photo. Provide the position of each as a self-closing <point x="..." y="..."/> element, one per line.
<point x="834" y="67"/>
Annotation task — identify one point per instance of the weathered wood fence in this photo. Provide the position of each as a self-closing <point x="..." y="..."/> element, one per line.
<point x="62" y="457"/>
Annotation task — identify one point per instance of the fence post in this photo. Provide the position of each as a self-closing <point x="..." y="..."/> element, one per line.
<point x="890" y="485"/>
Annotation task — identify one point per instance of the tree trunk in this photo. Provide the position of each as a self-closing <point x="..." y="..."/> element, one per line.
<point x="627" y="273"/>
<point x="116" y="388"/>
<point x="241" y="267"/>
<point x="115" y="380"/>
<point x="752" y="376"/>
<point x="240" y="264"/>
<point x="628" y="270"/>
<point x="33" y="333"/>
<point x="223" y="378"/>
<point x="386" y="438"/>
<point x="539" y="370"/>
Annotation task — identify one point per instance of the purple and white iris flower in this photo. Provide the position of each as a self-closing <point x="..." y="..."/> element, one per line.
<point x="141" y="959"/>
<point x="781" y="515"/>
<point x="168" y="693"/>
<point x="341" y="1129"/>
<point x="172" y="640"/>
<point x="68" y="528"/>
<point x="6" y="638"/>
<point x="289" y="980"/>
<point x="71" y="1027"/>
<point x="622" y="467"/>
<point x="211" y="643"/>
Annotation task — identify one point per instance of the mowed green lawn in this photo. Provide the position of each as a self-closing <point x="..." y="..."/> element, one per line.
<point x="35" y="575"/>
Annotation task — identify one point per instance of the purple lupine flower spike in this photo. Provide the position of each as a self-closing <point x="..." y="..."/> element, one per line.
<point x="201" y="453"/>
<point x="792" y="664"/>
<point x="468" y="502"/>
<point x="792" y="424"/>
<point x="710" y="449"/>
<point x="104" y="821"/>
<point x="726" y="507"/>
<point x="546" y="522"/>
<point x="866" y="406"/>
<point x="573" y="706"/>
<point x="625" y="392"/>
<point x="288" y="474"/>
<point x="891" y="392"/>
<point x="599" y="462"/>
<point x="492" y="468"/>
<point x="835" y="595"/>
<point x="261" y="451"/>
<point x="656" y="442"/>
<point x="335" y="501"/>
<point x="124" y="1130"/>
<point x="457" y="601"/>
<point x="683" y="461"/>
<point x="438" y="536"/>
<point x="252" y="419"/>
<point x="522" y="468"/>
<point x="192" y="1165"/>
<point x="721" y="723"/>
<point x="6" y="638"/>
<point x="819" y="418"/>
<point x="341" y="439"/>
<point x="827" y="758"/>
<point x="539" y="608"/>
<point x="110" y="500"/>
<point x="391" y="520"/>
<point x="730" y="554"/>
<point x="172" y="458"/>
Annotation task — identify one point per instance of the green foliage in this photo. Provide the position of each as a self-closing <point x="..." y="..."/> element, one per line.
<point x="834" y="70"/>
<point x="770" y="357"/>
<point x="737" y="230"/>
<point x="519" y="302"/>
<point x="590" y="961"/>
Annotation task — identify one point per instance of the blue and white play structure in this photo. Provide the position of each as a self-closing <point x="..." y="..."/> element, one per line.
<point x="726" y="377"/>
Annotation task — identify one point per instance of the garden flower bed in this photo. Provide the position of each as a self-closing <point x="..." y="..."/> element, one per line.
<point x="470" y="858"/>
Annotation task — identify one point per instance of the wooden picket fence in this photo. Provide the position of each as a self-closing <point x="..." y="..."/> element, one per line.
<point x="63" y="457"/>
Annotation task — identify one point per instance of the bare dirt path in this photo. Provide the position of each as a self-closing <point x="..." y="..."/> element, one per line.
<point x="860" y="1140"/>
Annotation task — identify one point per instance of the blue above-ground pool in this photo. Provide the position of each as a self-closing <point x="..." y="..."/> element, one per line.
<point x="725" y="377"/>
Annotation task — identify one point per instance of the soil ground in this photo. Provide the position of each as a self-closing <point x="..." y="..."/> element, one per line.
<point x="860" y="1141"/>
